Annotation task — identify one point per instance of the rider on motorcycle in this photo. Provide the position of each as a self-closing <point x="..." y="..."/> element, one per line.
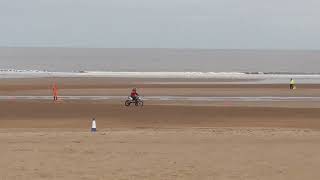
<point x="134" y="98"/>
<point x="134" y="94"/>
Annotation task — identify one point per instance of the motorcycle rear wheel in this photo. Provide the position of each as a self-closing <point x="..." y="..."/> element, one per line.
<point x="127" y="103"/>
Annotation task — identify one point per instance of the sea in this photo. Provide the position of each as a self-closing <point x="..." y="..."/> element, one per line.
<point x="277" y="65"/>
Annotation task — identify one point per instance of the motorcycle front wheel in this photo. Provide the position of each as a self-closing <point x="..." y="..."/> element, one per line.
<point x="139" y="103"/>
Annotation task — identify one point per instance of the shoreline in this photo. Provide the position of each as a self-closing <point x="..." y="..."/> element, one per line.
<point x="213" y="77"/>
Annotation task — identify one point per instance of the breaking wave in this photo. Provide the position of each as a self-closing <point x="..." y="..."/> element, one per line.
<point x="13" y="73"/>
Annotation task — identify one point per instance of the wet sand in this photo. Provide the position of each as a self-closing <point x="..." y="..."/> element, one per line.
<point x="162" y="140"/>
<point x="148" y="87"/>
<point x="78" y="115"/>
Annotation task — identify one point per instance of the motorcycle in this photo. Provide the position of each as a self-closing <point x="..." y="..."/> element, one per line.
<point x="137" y="102"/>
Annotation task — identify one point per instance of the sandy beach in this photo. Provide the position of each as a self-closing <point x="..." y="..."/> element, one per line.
<point x="159" y="90"/>
<point x="162" y="140"/>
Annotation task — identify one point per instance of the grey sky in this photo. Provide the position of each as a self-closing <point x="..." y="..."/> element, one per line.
<point x="218" y="24"/>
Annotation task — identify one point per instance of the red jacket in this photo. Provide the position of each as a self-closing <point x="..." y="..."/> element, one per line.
<point x="134" y="93"/>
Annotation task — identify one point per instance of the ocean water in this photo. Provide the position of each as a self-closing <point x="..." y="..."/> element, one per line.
<point x="160" y="60"/>
<point x="244" y="66"/>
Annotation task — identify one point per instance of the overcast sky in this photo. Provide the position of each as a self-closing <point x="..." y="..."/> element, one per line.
<point x="217" y="24"/>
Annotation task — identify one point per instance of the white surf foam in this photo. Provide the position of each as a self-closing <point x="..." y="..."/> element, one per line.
<point x="262" y="77"/>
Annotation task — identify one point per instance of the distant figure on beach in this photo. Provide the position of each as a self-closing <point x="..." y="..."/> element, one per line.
<point x="55" y="92"/>
<point x="292" y="84"/>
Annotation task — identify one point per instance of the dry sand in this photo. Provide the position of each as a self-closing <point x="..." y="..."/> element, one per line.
<point x="178" y="140"/>
<point x="223" y="153"/>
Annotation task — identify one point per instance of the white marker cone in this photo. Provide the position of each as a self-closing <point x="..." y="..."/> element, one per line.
<point x="94" y="126"/>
